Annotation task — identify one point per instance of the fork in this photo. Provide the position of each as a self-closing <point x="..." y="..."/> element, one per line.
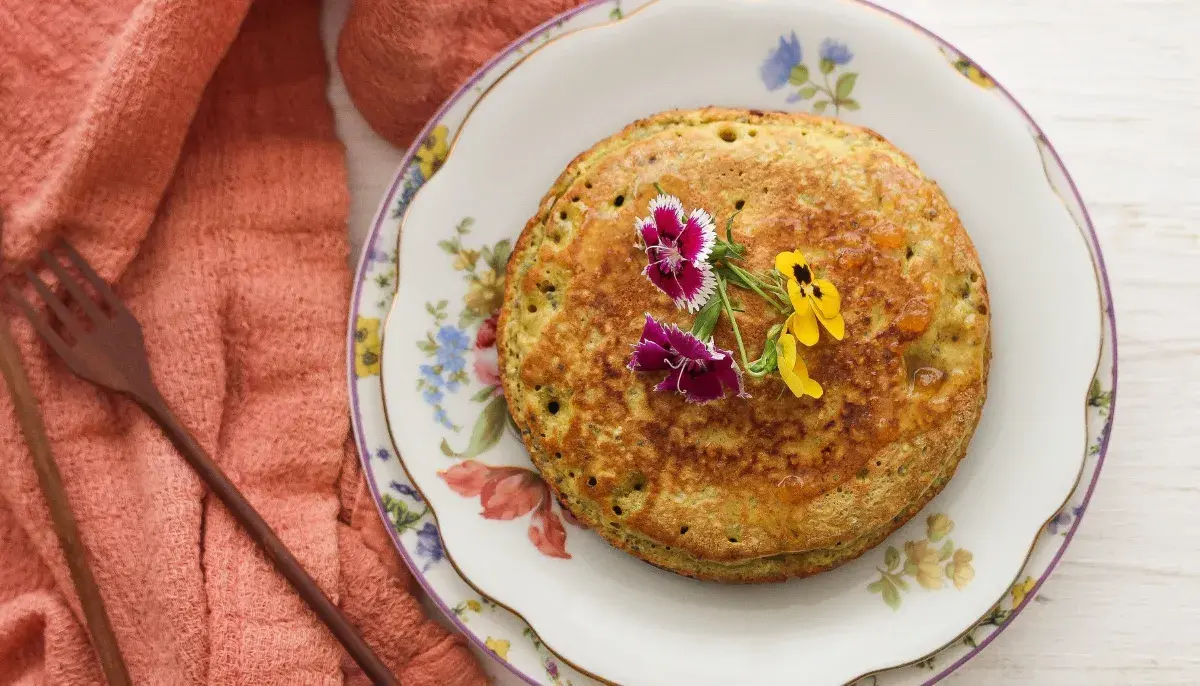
<point x="111" y="353"/>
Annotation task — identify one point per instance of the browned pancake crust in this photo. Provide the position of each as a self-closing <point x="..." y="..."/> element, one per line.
<point x="733" y="490"/>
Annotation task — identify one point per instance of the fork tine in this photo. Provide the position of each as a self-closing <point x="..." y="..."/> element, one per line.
<point x="40" y="324"/>
<point x="102" y="288"/>
<point x="73" y="285"/>
<point x="64" y="315"/>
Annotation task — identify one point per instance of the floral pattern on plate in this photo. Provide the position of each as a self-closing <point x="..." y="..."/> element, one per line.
<point x="967" y="68"/>
<point x="510" y="492"/>
<point x="446" y="345"/>
<point x="417" y="540"/>
<point x="504" y="492"/>
<point x="785" y="66"/>
<point x="366" y="347"/>
<point x="932" y="562"/>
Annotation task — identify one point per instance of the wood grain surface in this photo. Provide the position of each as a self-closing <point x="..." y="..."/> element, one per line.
<point x="1116" y="86"/>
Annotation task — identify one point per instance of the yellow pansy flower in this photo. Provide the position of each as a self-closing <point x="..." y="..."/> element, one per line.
<point x="366" y="347"/>
<point x="432" y="152"/>
<point x="499" y="646"/>
<point x="794" y="371"/>
<point x="815" y="300"/>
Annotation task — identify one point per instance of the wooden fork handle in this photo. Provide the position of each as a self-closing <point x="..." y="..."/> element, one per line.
<point x="261" y="532"/>
<point x="30" y="418"/>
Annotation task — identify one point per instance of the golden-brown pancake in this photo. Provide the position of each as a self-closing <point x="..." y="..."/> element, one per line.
<point x="771" y="486"/>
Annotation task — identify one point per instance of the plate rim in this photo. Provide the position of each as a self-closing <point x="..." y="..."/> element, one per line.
<point x="1094" y="249"/>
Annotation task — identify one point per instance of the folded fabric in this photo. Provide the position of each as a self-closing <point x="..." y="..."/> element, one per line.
<point x="187" y="150"/>
<point x="402" y="58"/>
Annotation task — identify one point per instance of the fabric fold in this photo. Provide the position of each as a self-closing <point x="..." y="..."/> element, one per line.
<point x="188" y="151"/>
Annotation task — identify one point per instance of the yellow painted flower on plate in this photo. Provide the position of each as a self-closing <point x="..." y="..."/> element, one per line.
<point x="923" y="563"/>
<point x="366" y="347"/>
<point x="960" y="569"/>
<point x="938" y="526"/>
<point x="794" y="371"/>
<point x="474" y="606"/>
<point x="973" y="73"/>
<point x="815" y="300"/>
<point x="1022" y="589"/>
<point x="499" y="646"/>
<point x="465" y="259"/>
<point x="485" y="293"/>
<point x="433" y="150"/>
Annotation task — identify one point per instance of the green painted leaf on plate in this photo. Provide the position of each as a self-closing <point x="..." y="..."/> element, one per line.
<point x="845" y="84"/>
<point x="402" y="517"/>
<point x="891" y="558"/>
<point x="799" y="75"/>
<point x="500" y="255"/>
<point x="891" y="596"/>
<point x="483" y="394"/>
<point x="488" y="428"/>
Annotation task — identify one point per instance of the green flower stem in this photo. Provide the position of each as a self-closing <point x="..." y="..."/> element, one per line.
<point x="757" y="285"/>
<point x="737" y="334"/>
<point x="828" y="91"/>
<point x="778" y="287"/>
<point x="833" y="98"/>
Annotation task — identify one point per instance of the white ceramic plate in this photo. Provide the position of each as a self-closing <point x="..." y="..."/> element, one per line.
<point x="600" y="609"/>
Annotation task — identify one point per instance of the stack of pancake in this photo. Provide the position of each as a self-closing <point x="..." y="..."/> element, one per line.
<point x="772" y="486"/>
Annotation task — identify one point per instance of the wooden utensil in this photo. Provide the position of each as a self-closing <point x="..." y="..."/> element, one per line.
<point x="30" y="418"/>
<point x="105" y="346"/>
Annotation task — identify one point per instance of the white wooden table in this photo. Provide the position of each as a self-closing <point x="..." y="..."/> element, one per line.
<point x="1116" y="86"/>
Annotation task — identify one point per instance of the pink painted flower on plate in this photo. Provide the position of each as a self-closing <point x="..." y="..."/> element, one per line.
<point x="486" y="336"/>
<point x="678" y="248"/>
<point x="467" y="477"/>
<point x="570" y="518"/>
<point x="487" y="367"/>
<point x="510" y="492"/>
<point x="698" y="370"/>
<point x="546" y="530"/>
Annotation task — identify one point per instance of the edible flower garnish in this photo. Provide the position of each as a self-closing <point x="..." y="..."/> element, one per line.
<point x="698" y="269"/>
<point x="814" y="300"/>
<point x="697" y="369"/>
<point x="794" y="371"/>
<point x="678" y="250"/>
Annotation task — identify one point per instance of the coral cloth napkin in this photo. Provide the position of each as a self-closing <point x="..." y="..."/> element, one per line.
<point x="187" y="149"/>
<point x="397" y="78"/>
